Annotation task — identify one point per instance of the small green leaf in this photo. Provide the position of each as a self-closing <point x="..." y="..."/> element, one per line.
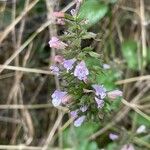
<point x="90" y="62"/>
<point x="78" y="137"/>
<point x="142" y="121"/>
<point x="112" y="146"/>
<point x="93" y="54"/>
<point x="113" y="1"/>
<point x="92" y="11"/>
<point x="89" y="35"/>
<point x="129" y="50"/>
<point x="148" y="55"/>
<point x="87" y="49"/>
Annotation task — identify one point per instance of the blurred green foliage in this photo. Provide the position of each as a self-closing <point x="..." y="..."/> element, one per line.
<point x="129" y="50"/>
<point x="92" y="11"/>
<point x="77" y="138"/>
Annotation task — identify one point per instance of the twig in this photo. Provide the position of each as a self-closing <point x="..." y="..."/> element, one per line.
<point x="34" y="106"/>
<point x="134" y="79"/>
<point x="52" y="132"/>
<point x="143" y="32"/>
<point x="141" y="142"/>
<point x="134" y="107"/>
<point x="28" y="70"/>
<point x="19" y="147"/>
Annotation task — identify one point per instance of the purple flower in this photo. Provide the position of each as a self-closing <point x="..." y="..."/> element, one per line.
<point x="57" y="97"/>
<point x="106" y="66"/>
<point x="100" y="90"/>
<point x="114" y="94"/>
<point x="79" y="121"/>
<point x="81" y="71"/>
<point x="73" y="12"/>
<point x="128" y="147"/>
<point x="54" y="69"/>
<point x="113" y="136"/>
<point x="56" y="43"/>
<point x="68" y="64"/>
<point x="74" y="114"/>
<point x="100" y="102"/>
<point x="83" y="108"/>
<point x="141" y="129"/>
<point x="59" y="14"/>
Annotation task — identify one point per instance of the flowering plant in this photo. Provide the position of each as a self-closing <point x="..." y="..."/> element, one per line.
<point x="80" y="69"/>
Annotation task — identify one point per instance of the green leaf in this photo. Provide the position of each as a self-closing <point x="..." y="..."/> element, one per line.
<point x="86" y="145"/>
<point x="93" y="54"/>
<point x="129" y="50"/>
<point x="113" y="1"/>
<point x="90" y="62"/>
<point x="148" y="55"/>
<point x="78" y="137"/>
<point x="142" y="121"/>
<point x="92" y="11"/>
<point x="108" y="78"/>
<point x="115" y="104"/>
<point x="89" y="35"/>
<point x="112" y="146"/>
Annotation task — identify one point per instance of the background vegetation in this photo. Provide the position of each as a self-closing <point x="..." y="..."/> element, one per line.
<point x="27" y="118"/>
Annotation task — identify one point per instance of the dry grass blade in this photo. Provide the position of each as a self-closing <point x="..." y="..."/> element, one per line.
<point x="28" y="70"/>
<point x="134" y="79"/>
<point x="33" y="106"/>
<point x="52" y="132"/>
<point x="134" y="107"/>
<point x="17" y="20"/>
<point x="19" y="147"/>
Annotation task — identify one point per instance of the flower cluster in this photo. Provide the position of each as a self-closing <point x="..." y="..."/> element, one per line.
<point x="82" y="94"/>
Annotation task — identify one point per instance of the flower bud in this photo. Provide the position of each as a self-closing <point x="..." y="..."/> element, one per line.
<point x="66" y="99"/>
<point x="114" y="94"/>
<point x="59" y="14"/>
<point x="58" y="59"/>
<point x="56" y="43"/>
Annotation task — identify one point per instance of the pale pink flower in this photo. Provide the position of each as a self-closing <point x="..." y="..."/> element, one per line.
<point x="113" y="136"/>
<point x="66" y="99"/>
<point x="56" y="43"/>
<point x="60" y="21"/>
<point x="114" y="94"/>
<point x="58" y="59"/>
<point x="59" y="14"/>
<point x="128" y="147"/>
